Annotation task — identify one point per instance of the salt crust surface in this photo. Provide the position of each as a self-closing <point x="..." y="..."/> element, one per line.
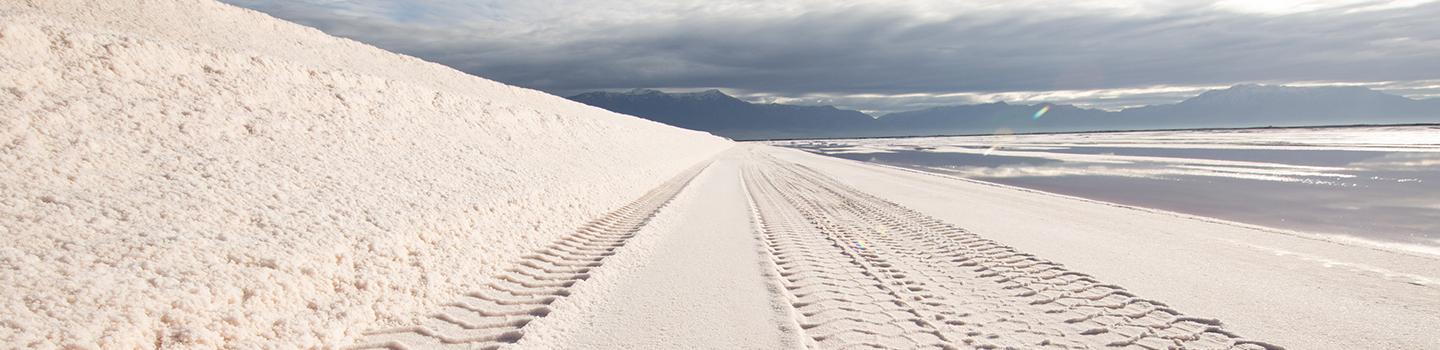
<point x="187" y="174"/>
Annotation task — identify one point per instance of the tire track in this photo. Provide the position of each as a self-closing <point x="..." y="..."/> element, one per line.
<point x="864" y="272"/>
<point x="494" y="316"/>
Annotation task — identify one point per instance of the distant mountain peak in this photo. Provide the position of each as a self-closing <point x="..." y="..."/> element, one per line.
<point x="1270" y="88"/>
<point x="1241" y="105"/>
<point x="707" y="94"/>
<point x="643" y="91"/>
<point x="1248" y="89"/>
<point x="626" y="93"/>
<point x="1297" y="96"/>
<point x="1252" y="86"/>
<point x="713" y="110"/>
<point x="711" y="94"/>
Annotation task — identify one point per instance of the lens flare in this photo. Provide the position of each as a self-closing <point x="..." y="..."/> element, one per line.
<point x="1042" y="111"/>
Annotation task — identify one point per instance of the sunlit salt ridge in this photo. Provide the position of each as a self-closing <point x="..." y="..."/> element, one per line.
<point x="188" y="174"/>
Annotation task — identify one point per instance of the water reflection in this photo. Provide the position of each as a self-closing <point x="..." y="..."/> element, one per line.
<point x="1380" y="195"/>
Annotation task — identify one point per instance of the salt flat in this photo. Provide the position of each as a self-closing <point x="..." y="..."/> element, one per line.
<point x="849" y="268"/>
<point x="893" y="258"/>
<point x="1294" y="290"/>
<point x="190" y="175"/>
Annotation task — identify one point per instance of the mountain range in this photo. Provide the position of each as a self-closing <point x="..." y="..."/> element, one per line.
<point x="1245" y="105"/>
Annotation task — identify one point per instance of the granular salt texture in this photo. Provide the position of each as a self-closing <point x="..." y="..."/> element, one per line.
<point x="187" y="174"/>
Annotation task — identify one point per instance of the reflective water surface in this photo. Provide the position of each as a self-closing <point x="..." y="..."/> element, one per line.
<point x="1387" y="194"/>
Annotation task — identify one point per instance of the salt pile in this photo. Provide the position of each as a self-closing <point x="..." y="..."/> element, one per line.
<point x="194" y="175"/>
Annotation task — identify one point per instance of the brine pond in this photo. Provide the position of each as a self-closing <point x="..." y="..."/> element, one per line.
<point x="1383" y="194"/>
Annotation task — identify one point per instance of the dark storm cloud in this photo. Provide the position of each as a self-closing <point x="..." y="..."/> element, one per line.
<point x="888" y="50"/>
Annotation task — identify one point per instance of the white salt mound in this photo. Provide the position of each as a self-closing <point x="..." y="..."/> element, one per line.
<point x="187" y="174"/>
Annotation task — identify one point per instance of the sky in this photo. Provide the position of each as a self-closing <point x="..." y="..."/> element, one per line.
<point x="882" y="56"/>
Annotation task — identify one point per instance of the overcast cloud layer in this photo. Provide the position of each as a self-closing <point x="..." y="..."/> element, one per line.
<point x="883" y="56"/>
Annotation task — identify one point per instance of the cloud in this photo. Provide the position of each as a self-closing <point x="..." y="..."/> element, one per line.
<point x="880" y="104"/>
<point x="886" y="56"/>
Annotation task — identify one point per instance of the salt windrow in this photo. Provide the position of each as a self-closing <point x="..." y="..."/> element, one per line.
<point x="191" y="174"/>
